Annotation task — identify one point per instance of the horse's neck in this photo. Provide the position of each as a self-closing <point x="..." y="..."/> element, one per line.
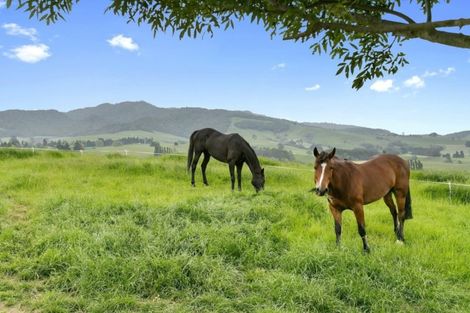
<point x="341" y="174"/>
<point x="251" y="159"/>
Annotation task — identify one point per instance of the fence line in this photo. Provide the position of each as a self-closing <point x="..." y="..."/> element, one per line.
<point x="441" y="182"/>
<point x="127" y="152"/>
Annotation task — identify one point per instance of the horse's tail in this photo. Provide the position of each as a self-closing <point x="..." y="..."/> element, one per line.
<point x="408" y="212"/>
<point x="191" y="150"/>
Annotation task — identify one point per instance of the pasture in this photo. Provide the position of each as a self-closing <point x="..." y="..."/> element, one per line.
<point x="110" y="233"/>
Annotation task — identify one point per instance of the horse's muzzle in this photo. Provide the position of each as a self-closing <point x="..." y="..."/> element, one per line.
<point x="320" y="192"/>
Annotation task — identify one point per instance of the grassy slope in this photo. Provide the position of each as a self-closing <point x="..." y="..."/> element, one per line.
<point x="114" y="234"/>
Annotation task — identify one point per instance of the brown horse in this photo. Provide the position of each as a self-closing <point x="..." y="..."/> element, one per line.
<point x="350" y="186"/>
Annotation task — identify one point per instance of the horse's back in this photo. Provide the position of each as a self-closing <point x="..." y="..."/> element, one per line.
<point x="393" y="162"/>
<point x="217" y="144"/>
<point x="383" y="173"/>
<point x="204" y="133"/>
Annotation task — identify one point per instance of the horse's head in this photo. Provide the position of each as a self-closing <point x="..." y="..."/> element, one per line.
<point x="323" y="170"/>
<point x="258" y="180"/>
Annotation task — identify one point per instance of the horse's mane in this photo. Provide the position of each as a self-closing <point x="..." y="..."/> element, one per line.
<point x="252" y="158"/>
<point x="323" y="157"/>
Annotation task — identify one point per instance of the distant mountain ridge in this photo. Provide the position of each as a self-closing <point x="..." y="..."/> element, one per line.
<point x="109" y="118"/>
<point x="140" y="115"/>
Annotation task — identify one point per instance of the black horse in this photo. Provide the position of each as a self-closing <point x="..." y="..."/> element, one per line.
<point x="231" y="149"/>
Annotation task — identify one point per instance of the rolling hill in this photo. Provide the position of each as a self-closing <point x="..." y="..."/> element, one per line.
<point x="178" y="123"/>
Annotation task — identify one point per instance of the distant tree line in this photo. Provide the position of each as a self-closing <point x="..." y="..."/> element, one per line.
<point x="275" y="153"/>
<point x="458" y="155"/>
<point x="14" y="142"/>
<point x="447" y="158"/>
<point x="398" y="147"/>
<point x="299" y="143"/>
<point x="356" y="153"/>
<point x="101" y="142"/>
<point x="366" y="150"/>
<point x="78" y="145"/>
<point x="159" y="149"/>
<point x="415" y="164"/>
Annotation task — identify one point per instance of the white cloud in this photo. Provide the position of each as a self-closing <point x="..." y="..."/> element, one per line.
<point x="415" y="82"/>
<point x="279" y="66"/>
<point x="16" y="30"/>
<point x="313" y="88"/>
<point x="382" y="85"/>
<point x="430" y="74"/>
<point x="2" y="4"/>
<point x="29" y="53"/>
<point x="447" y="71"/>
<point x="440" y="72"/>
<point x="123" y="42"/>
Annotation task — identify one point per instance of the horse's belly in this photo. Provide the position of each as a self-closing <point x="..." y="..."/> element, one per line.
<point x="372" y="196"/>
<point x="220" y="154"/>
<point x="219" y="157"/>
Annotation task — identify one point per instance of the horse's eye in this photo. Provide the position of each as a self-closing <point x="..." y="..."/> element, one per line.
<point x="315" y="167"/>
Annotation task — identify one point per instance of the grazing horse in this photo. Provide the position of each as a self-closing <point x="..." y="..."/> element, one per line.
<point x="231" y="149"/>
<point x="350" y="186"/>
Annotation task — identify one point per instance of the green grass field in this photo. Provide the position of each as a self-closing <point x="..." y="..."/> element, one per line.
<point x="108" y="233"/>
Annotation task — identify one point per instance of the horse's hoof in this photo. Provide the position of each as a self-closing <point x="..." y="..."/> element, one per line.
<point x="206" y="184"/>
<point x="193" y="185"/>
<point x="399" y="242"/>
<point x="366" y="250"/>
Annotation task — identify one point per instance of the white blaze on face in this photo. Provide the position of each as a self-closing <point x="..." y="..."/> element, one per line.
<point x="323" y="166"/>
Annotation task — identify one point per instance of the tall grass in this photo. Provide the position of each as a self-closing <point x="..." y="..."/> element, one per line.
<point x="7" y="153"/>
<point x="440" y="176"/>
<point x="122" y="234"/>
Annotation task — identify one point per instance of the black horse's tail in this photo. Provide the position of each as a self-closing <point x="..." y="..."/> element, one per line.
<point x="191" y="150"/>
<point x="408" y="212"/>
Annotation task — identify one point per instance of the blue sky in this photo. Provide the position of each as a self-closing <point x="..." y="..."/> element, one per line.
<point x="93" y="58"/>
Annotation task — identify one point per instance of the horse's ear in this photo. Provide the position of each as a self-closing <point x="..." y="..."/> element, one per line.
<point x="332" y="153"/>
<point x="315" y="152"/>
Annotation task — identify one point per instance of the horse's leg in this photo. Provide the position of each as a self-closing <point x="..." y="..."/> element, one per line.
<point x="393" y="210"/>
<point x="206" y="159"/>
<point x="338" y="218"/>
<point x="197" y="154"/>
<point x="400" y="197"/>
<point x="361" y="226"/>
<point x="239" y="175"/>
<point x="231" y="167"/>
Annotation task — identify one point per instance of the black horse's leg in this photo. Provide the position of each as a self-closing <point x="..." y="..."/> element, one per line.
<point x="401" y="197"/>
<point x="338" y="218"/>
<point x="231" y="167"/>
<point x="239" y="175"/>
<point x="207" y="156"/>
<point x="194" y="165"/>
<point x="361" y="226"/>
<point x="393" y="210"/>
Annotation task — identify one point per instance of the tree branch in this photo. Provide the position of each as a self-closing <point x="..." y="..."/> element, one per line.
<point x="352" y="4"/>
<point x="424" y="31"/>
<point x="450" y="39"/>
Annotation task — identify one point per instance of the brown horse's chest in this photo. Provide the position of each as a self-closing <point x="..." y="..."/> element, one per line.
<point x="341" y="201"/>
